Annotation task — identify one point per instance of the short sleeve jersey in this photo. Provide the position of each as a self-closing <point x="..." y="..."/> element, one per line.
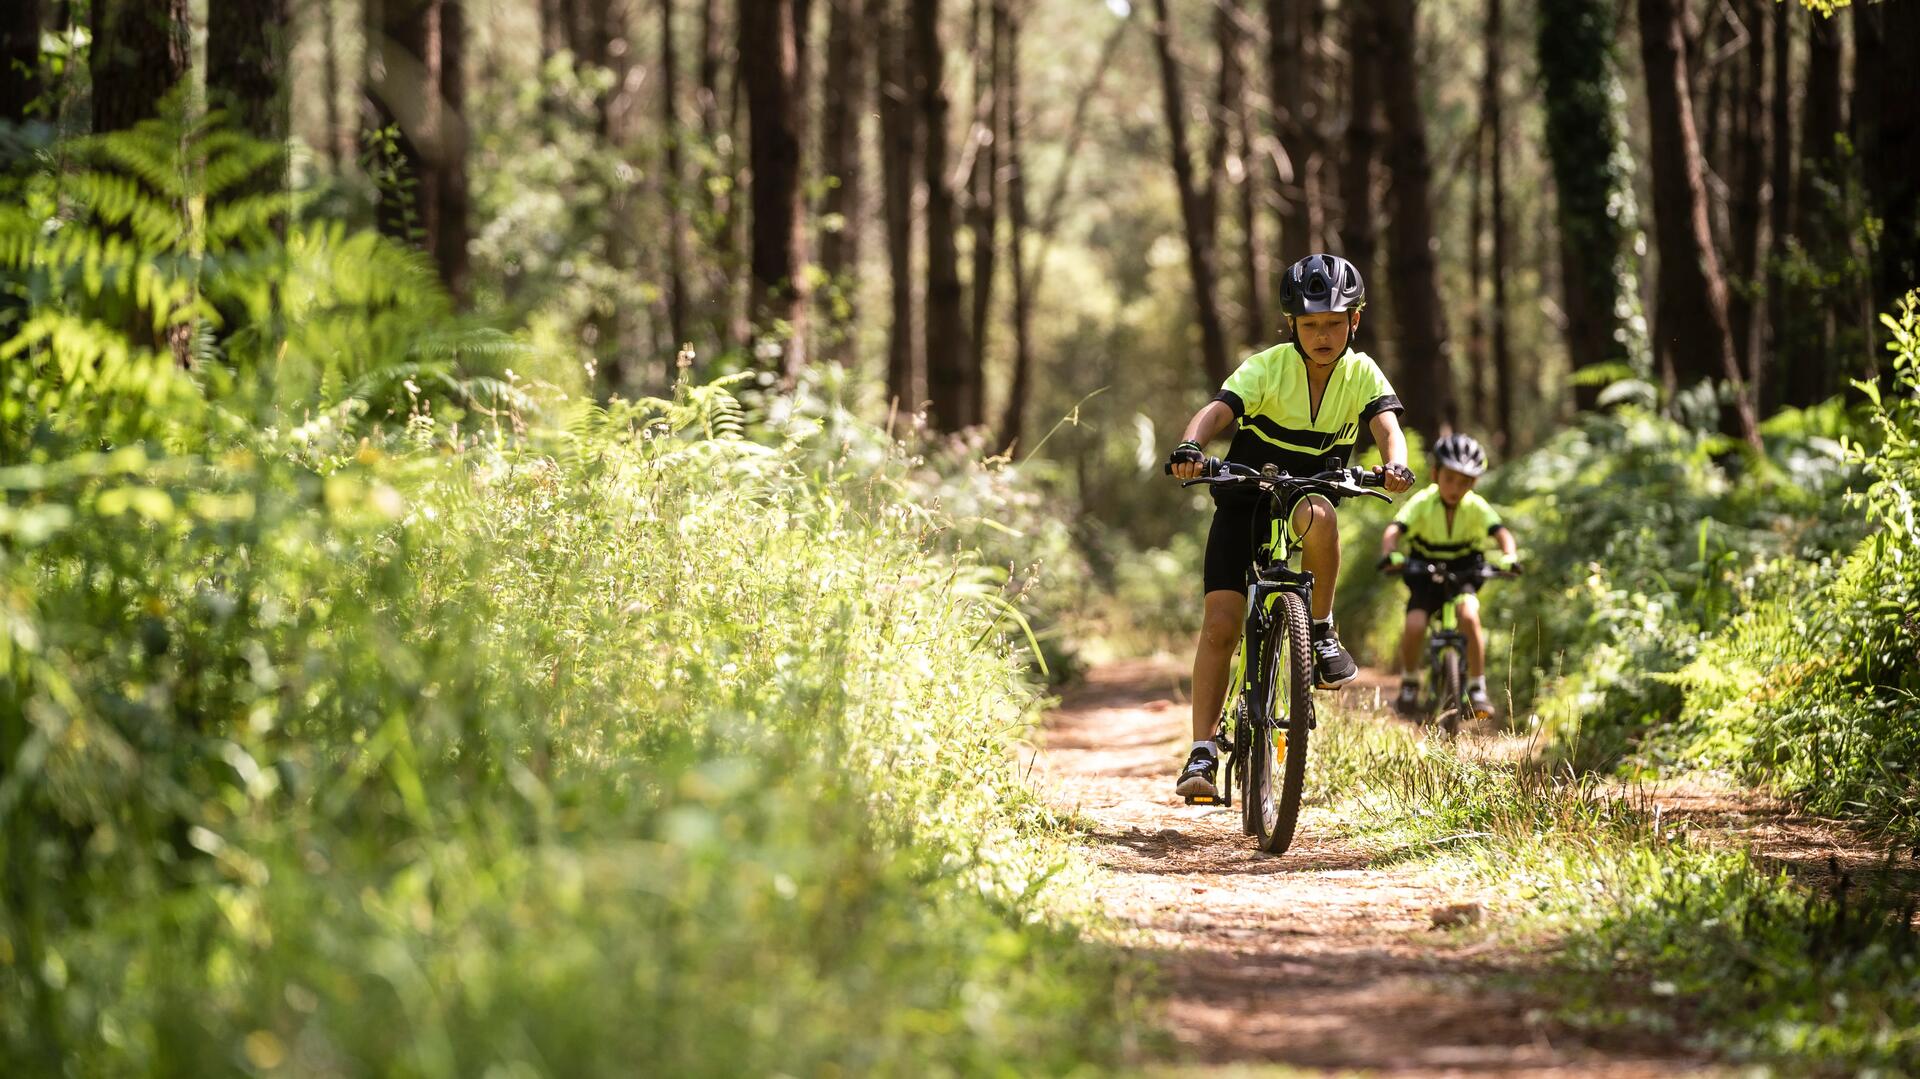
<point x="1433" y="537"/>
<point x="1270" y="397"/>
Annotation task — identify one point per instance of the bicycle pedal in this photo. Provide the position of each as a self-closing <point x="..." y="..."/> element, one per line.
<point x="1206" y="800"/>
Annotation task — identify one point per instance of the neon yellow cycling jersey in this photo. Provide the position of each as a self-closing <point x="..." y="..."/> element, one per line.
<point x="1270" y="397"/>
<point x="1424" y="517"/>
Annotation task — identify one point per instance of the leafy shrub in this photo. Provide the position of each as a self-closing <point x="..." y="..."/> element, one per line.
<point x="1815" y="689"/>
<point x="636" y="736"/>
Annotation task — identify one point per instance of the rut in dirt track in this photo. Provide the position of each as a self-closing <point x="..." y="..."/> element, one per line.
<point x="1315" y="958"/>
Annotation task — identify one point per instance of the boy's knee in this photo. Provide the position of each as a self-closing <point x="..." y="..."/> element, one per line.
<point x="1314" y="517"/>
<point x="1416" y="621"/>
<point x="1470" y="610"/>
<point x="1220" y="630"/>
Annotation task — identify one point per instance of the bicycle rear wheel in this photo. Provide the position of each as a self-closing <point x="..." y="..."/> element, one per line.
<point x="1277" y="772"/>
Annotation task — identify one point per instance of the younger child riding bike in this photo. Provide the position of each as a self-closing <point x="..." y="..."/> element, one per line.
<point x="1296" y="405"/>
<point x="1449" y="524"/>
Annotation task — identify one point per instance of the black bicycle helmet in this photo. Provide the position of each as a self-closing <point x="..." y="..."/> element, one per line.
<point x="1322" y="283"/>
<point x="1462" y="453"/>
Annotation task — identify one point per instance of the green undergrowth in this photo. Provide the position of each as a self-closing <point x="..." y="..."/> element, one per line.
<point x="1651" y="927"/>
<point x="366" y="709"/>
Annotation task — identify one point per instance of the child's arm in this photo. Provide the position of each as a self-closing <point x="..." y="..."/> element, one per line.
<point x="1390" y="542"/>
<point x="1393" y="451"/>
<point x="1508" y="546"/>
<point x="1206" y="425"/>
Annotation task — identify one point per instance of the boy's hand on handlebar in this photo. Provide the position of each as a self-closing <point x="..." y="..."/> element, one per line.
<point x="1394" y="477"/>
<point x="1392" y="563"/>
<point x="1186" y="461"/>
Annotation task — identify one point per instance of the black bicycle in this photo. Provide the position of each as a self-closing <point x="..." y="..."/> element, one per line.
<point x="1445" y="699"/>
<point x="1263" y="728"/>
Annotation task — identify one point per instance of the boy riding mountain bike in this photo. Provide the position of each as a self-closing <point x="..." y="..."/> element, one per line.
<point x="1296" y="404"/>
<point x="1449" y="524"/>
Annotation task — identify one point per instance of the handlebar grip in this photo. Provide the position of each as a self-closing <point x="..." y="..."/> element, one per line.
<point x="1370" y="478"/>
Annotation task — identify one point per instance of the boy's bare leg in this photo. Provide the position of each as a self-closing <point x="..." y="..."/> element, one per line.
<point x="1319" y="530"/>
<point x="1470" y="627"/>
<point x="1412" y="636"/>
<point x="1213" y="659"/>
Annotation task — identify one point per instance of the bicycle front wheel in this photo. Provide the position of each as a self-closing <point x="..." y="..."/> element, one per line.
<point x="1277" y="775"/>
<point x="1452" y="677"/>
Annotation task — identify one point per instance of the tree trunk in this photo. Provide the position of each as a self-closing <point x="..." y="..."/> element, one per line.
<point x="140" y="52"/>
<point x="1690" y="317"/>
<point x="1887" y="118"/>
<point x="1358" y="229"/>
<point x="20" y="82"/>
<point x="337" y="134"/>
<point x="1748" y="154"/>
<point x="1234" y="163"/>
<point x="675" y="181"/>
<point x="1425" y="377"/>
<point x="770" y="68"/>
<point x="840" y="161"/>
<point x="1476" y="408"/>
<point x="246" y="64"/>
<point x="453" y="227"/>
<point x="1780" y="201"/>
<point x="899" y="164"/>
<point x="1811" y="313"/>
<point x="1193" y="209"/>
<point x="1013" y="419"/>
<point x="1503" y="375"/>
<point x="983" y="202"/>
<point x="1291" y="72"/>
<point x="946" y="349"/>
<point x="1575" y="47"/>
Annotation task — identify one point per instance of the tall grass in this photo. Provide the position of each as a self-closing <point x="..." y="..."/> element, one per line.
<point x="485" y="739"/>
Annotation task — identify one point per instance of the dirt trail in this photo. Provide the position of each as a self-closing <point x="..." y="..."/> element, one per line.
<point x="1313" y="959"/>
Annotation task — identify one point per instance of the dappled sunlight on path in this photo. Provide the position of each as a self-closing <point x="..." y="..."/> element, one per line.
<point x="1316" y="958"/>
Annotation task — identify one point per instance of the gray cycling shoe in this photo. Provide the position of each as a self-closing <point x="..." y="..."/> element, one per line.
<point x="1408" y="702"/>
<point x="1481" y="704"/>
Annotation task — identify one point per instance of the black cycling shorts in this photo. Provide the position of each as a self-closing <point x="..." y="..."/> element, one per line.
<point x="1239" y="524"/>
<point x="1427" y="594"/>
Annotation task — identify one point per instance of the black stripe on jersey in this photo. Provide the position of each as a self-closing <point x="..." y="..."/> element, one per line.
<point x="1312" y="440"/>
<point x="1232" y="400"/>
<point x="1386" y="403"/>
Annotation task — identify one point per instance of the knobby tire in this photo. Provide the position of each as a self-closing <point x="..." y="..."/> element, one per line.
<point x="1272" y="795"/>
<point x="1452" y="680"/>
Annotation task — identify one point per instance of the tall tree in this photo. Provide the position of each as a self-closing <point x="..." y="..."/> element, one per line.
<point x="1780" y="190"/>
<point x="453" y="227"/>
<point x="140" y="51"/>
<point x="1502" y="355"/>
<point x="776" y="114"/>
<point x="1425" y="373"/>
<point x="1357" y="228"/>
<point x="948" y="375"/>
<point x="19" y="59"/>
<point x="674" y="182"/>
<point x="1887" y="122"/>
<point x="983" y="196"/>
<point x="1294" y="73"/>
<point x="899" y="165"/>
<point x="840" y="117"/>
<point x="1575" y="48"/>
<point x="1194" y="208"/>
<point x="1747" y="181"/>
<point x="1013" y="420"/>
<point x="1811" y="317"/>
<point x="1691" y="332"/>
<point x="246" y="64"/>
<point x="1235" y="155"/>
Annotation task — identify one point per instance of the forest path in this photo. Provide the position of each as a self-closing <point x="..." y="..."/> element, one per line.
<point x="1316" y="959"/>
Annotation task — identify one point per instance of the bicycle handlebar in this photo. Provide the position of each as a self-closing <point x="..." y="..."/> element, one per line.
<point x="1350" y="482"/>
<point x="1441" y="573"/>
